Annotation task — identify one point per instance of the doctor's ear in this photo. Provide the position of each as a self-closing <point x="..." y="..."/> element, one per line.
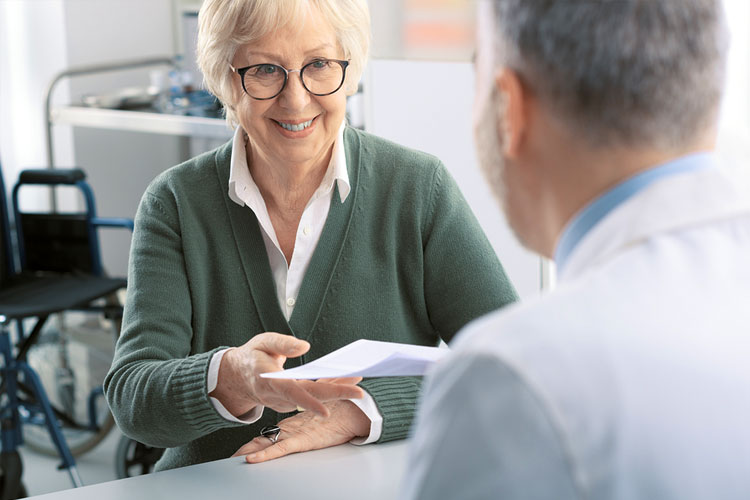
<point x="512" y="115"/>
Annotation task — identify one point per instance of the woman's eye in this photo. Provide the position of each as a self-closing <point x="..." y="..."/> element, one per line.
<point x="265" y="69"/>
<point x="319" y="64"/>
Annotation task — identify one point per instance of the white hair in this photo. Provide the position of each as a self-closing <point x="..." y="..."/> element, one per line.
<point x="225" y="25"/>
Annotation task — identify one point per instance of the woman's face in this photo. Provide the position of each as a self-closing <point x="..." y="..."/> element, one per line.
<point x="291" y="47"/>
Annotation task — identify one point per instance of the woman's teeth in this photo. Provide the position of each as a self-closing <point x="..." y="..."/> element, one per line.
<point x="296" y="128"/>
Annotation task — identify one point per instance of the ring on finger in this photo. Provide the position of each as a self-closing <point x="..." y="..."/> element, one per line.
<point x="271" y="432"/>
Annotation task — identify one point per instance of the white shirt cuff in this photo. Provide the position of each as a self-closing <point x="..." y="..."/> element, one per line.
<point x="213" y="379"/>
<point x="368" y="406"/>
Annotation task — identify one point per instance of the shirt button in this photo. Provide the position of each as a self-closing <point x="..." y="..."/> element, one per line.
<point x="290" y="302"/>
<point x="306" y="230"/>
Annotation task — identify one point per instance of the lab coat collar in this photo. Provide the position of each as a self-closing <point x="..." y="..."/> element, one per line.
<point x="670" y="204"/>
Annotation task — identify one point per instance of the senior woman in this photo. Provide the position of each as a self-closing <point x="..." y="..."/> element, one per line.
<point x="297" y="237"/>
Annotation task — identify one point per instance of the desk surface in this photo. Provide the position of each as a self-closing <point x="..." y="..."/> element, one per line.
<point x="342" y="472"/>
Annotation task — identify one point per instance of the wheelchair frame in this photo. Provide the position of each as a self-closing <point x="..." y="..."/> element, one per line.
<point x="15" y="365"/>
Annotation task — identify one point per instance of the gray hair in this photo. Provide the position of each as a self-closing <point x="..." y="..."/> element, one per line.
<point x="624" y="72"/>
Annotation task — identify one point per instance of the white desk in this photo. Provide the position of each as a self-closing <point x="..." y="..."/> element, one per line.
<point x="371" y="472"/>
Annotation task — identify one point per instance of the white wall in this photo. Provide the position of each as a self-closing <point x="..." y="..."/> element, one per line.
<point x="33" y="47"/>
<point x="387" y="19"/>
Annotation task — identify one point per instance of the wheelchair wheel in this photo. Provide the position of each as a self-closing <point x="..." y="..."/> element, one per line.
<point x="134" y="459"/>
<point x="72" y="358"/>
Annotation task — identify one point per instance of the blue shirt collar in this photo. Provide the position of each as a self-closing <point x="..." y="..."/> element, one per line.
<point x="596" y="210"/>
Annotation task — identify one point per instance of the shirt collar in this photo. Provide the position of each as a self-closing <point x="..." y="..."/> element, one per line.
<point x="595" y="211"/>
<point x="242" y="187"/>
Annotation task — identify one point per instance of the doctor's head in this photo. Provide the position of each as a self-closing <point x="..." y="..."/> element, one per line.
<point x="573" y="96"/>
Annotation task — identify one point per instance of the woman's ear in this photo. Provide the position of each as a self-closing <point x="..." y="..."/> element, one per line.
<point x="512" y="114"/>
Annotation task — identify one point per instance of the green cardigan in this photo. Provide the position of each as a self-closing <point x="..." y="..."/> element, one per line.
<point x="402" y="260"/>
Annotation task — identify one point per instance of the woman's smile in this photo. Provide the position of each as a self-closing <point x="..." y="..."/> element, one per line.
<point x="295" y="129"/>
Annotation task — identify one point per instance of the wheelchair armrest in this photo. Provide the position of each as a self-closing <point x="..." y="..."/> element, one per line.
<point x="113" y="222"/>
<point x="51" y="176"/>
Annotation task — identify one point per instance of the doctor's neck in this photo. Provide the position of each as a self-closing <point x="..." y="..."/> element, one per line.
<point x="574" y="174"/>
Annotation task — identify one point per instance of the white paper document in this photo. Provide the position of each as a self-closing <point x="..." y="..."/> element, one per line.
<point x="367" y="358"/>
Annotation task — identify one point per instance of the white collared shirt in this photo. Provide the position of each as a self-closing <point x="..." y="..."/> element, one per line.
<point x="288" y="276"/>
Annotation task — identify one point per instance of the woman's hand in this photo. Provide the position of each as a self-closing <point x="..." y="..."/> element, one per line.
<point x="307" y="431"/>
<point x="240" y="388"/>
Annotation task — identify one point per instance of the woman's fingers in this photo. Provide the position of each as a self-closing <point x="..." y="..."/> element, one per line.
<point x="266" y="352"/>
<point x="254" y="446"/>
<point x="340" y="380"/>
<point x="277" y="450"/>
<point x="291" y="439"/>
<point x="295" y="394"/>
<point x="326" y="391"/>
<point x="303" y="432"/>
<point x="276" y="343"/>
<point x="287" y="395"/>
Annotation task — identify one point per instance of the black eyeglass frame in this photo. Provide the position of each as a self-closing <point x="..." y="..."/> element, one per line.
<point x="241" y="72"/>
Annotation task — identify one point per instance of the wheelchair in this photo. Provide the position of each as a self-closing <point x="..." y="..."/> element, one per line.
<point x="52" y="266"/>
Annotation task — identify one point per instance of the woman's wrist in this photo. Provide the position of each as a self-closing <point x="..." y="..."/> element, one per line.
<point x="358" y="422"/>
<point x="230" y="387"/>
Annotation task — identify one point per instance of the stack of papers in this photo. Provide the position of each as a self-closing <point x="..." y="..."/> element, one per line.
<point x="367" y="358"/>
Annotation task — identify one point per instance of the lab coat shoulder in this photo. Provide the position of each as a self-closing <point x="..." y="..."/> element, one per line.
<point x="495" y="435"/>
<point x="499" y="395"/>
<point x="557" y="362"/>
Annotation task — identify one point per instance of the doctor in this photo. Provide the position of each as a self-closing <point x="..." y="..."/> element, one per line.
<point x="595" y="123"/>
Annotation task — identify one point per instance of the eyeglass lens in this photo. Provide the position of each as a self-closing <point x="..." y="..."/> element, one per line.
<point x="322" y="77"/>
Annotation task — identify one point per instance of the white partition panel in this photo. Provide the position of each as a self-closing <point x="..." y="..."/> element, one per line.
<point x="428" y="106"/>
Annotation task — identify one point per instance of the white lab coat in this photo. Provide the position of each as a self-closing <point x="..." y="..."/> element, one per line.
<point x="630" y="381"/>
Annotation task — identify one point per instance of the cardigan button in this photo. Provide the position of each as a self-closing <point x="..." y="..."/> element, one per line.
<point x="290" y="302"/>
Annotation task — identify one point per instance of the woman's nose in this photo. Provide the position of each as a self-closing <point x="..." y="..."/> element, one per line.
<point x="294" y="95"/>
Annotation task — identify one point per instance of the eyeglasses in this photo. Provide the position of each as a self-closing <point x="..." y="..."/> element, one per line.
<point x="320" y="77"/>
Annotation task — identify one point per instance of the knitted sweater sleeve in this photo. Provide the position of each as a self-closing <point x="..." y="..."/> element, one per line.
<point x="463" y="280"/>
<point x="155" y="388"/>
